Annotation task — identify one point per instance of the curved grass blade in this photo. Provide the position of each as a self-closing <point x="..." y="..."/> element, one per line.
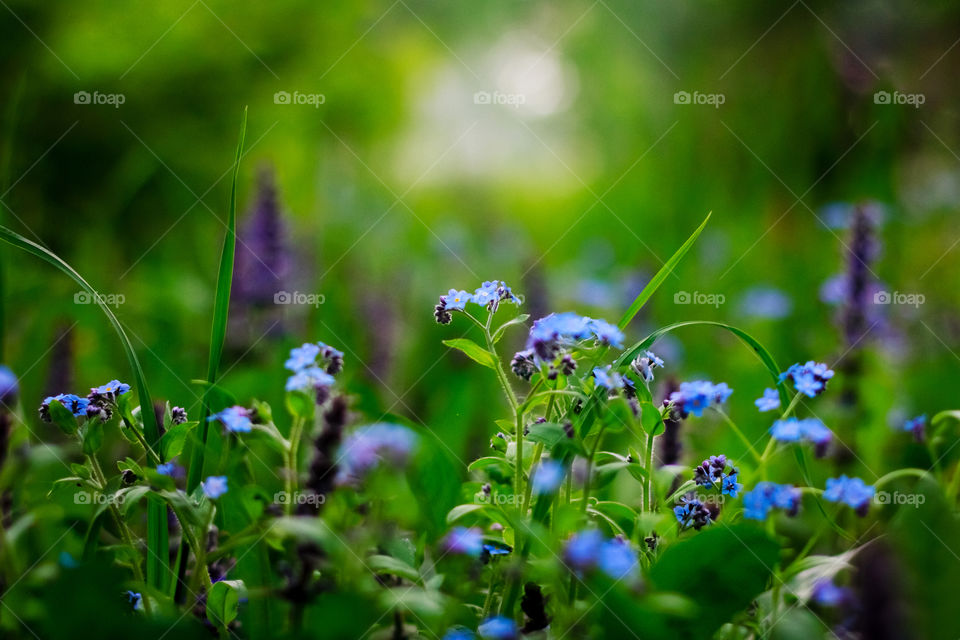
<point x="156" y="512"/>
<point x="221" y="308"/>
<point x="746" y="338"/>
<point x="218" y="333"/>
<point x="662" y="274"/>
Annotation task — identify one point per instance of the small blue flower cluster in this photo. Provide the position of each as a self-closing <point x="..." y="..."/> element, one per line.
<point x="850" y="491"/>
<point x="171" y="469"/>
<point x="692" y="512"/>
<point x="313" y="366"/>
<point x="714" y="472"/>
<point x="807" y="430"/>
<point x="236" y="419"/>
<point x="588" y="550"/>
<point x="99" y="403"/>
<point x="694" y="397"/>
<point x="552" y="333"/>
<point x="607" y="378"/>
<point x="916" y="426"/>
<point x="769" y="401"/>
<point x="644" y="364"/>
<point x="367" y="446"/>
<point x="467" y="541"/>
<point x="547" y="477"/>
<point x="766" y="496"/>
<point x="490" y="294"/>
<point x="809" y="379"/>
<point x="135" y="599"/>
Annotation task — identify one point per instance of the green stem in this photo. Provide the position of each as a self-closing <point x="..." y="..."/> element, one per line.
<point x="743" y="438"/>
<point x="537" y="452"/>
<point x="648" y="489"/>
<point x="587" y="478"/>
<point x="292" y="462"/>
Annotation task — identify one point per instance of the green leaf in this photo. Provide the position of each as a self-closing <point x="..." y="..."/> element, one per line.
<point x="760" y="351"/>
<point x="661" y="275"/>
<point x="434" y="480"/>
<point x="380" y="564"/>
<point x="651" y="419"/>
<point x="221" y="308"/>
<point x="92" y="436"/>
<point x="171" y="444"/>
<point x="81" y="470"/>
<point x="461" y="510"/>
<point x="62" y="417"/>
<point x="223" y="602"/>
<point x="301" y="404"/>
<point x="474" y="351"/>
<point x="736" y="560"/>
<point x="549" y="433"/>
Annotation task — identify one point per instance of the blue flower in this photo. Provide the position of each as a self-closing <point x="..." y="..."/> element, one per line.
<point x="916" y="426"/>
<point x="236" y="419"/>
<point x="730" y="486"/>
<point x="557" y="330"/>
<point x="607" y="378"/>
<point x="547" y="477"/>
<point x="457" y="300"/>
<point x="113" y="388"/>
<point x="582" y="549"/>
<point x="167" y="469"/>
<point x="827" y="594"/>
<point x="809" y="430"/>
<point x="368" y="446"/>
<point x="464" y="541"/>
<point x="644" y="364"/>
<point x="606" y="333"/>
<point x="459" y="634"/>
<point x="617" y="558"/>
<point x="498" y="628"/>
<point x="302" y="357"/>
<point x="769" y="401"/>
<point x="694" y="397"/>
<point x="9" y="387"/>
<point x="74" y="404"/>
<point x="309" y="379"/>
<point x="495" y="550"/>
<point x="788" y="430"/>
<point x="214" y="486"/>
<point x="808" y="385"/>
<point x="311" y="356"/>
<point x="810" y="378"/>
<point x="851" y="491"/>
<point x="691" y="512"/>
<point x="766" y="496"/>
<point x="485" y="294"/>
<point x="135" y="599"/>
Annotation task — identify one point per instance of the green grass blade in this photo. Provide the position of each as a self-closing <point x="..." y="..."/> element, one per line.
<point x="662" y="274"/>
<point x="221" y="308"/>
<point x="156" y="512"/>
<point x="765" y="357"/>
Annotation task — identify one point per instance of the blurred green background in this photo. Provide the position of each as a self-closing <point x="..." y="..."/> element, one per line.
<point x="542" y="143"/>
